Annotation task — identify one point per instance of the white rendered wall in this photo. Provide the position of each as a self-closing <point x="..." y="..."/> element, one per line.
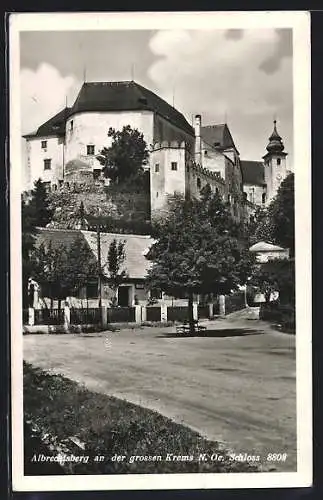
<point x="36" y="156"/>
<point x="91" y="128"/>
<point x="274" y="174"/>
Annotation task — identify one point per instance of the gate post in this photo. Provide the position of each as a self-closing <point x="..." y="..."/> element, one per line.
<point x="163" y="312"/>
<point x="31" y="316"/>
<point x="137" y="314"/>
<point x="222" y="305"/>
<point x="67" y="317"/>
<point x="143" y="313"/>
<point x="104" y="316"/>
<point x="195" y="312"/>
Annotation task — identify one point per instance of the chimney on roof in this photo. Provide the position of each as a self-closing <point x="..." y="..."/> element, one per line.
<point x="198" y="145"/>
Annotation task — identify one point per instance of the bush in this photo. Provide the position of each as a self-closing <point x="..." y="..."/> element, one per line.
<point x="282" y="315"/>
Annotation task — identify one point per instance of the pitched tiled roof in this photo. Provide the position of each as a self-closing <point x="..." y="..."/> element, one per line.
<point x="57" y="236"/>
<point x="136" y="264"/>
<point x="218" y="135"/>
<point x="253" y="172"/>
<point x="126" y="96"/>
<point x="55" y="126"/>
<point x="136" y="246"/>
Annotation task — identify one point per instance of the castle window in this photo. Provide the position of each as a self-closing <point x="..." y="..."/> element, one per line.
<point x="217" y="190"/>
<point x="174" y="165"/>
<point x="263" y="197"/>
<point x="90" y="149"/>
<point x="205" y="153"/>
<point x="47" y="164"/>
<point x="198" y="182"/>
<point x="278" y="161"/>
<point x="71" y="126"/>
<point x="43" y="144"/>
<point x="157" y="167"/>
<point x="156" y="194"/>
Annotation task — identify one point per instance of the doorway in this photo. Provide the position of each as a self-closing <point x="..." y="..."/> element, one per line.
<point x="124" y="296"/>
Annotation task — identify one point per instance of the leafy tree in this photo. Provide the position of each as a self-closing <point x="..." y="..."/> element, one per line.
<point x="282" y="215"/>
<point x="116" y="258"/>
<point x="35" y="212"/>
<point x="275" y="223"/>
<point x="199" y="249"/>
<point x="64" y="268"/>
<point x="260" y="227"/>
<point x="126" y="156"/>
<point x="39" y="203"/>
<point x="276" y="275"/>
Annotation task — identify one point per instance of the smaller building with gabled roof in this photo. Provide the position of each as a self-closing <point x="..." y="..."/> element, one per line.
<point x="136" y="265"/>
<point x="266" y="252"/>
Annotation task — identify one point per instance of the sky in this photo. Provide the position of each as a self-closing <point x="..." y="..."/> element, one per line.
<point x="241" y="77"/>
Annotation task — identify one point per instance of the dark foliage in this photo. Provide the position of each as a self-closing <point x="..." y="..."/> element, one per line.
<point x="126" y="156"/>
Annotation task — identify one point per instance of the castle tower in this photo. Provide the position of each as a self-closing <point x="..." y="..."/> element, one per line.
<point x="275" y="164"/>
<point x="167" y="173"/>
<point x="198" y="141"/>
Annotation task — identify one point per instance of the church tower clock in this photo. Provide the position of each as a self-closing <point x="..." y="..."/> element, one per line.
<point x="275" y="164"/>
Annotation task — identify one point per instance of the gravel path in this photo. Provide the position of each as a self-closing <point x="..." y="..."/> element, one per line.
<point x="235" y="385"/>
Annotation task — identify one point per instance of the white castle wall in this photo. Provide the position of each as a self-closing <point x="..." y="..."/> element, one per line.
<point x="166" y="181"/>
<point x="274" y="174"/>
<point x="36" y="156"/>
<point x="91" y="128"/>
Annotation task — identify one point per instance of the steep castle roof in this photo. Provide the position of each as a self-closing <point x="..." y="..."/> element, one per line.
<point x="55" y="126"/>
<point x="218" y="136"/>
<point x="253" y="172"/>
<point x="126" y="96"/>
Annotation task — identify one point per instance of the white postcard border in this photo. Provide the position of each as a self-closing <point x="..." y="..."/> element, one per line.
<point x="300" y="23"/>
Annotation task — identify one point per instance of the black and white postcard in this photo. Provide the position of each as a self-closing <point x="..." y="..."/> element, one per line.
<point x="160" y="227"/>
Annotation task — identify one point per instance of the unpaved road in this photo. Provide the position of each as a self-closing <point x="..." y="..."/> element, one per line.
<point x="236" y="386"/>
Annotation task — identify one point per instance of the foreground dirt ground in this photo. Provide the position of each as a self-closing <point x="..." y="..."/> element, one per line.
<point x="235" y="385"/>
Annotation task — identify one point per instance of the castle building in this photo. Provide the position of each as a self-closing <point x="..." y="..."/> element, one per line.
<point x="183" y="158"/>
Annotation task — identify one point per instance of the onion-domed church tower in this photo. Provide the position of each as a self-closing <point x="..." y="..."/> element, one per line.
<point x="275" y="164"/>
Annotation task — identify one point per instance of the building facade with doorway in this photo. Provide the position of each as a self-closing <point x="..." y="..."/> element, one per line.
<point x="132" y="290"/>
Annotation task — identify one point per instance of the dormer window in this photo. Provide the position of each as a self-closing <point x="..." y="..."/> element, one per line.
<point x="90" y="149"/>
<point x="44" y="144"/>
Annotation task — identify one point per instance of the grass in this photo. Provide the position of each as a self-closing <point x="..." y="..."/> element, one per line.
<point x="60" y="408"/>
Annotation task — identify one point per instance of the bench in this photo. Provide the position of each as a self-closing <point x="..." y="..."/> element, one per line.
<point x="185" y="327"/>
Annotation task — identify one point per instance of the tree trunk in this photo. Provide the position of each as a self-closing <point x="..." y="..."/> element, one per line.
<point x="190" y="312"/>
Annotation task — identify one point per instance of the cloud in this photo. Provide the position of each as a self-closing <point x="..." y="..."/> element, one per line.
<point x="43" y="94"/>
<point x="219" y="73"/>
